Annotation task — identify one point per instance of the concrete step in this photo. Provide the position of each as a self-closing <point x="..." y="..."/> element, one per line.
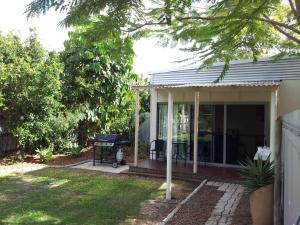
<point x="162" y="174"/>
<point x="175" y="175"/>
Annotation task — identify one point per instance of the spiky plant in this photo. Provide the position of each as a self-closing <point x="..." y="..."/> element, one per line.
<point x="256" y="174"/>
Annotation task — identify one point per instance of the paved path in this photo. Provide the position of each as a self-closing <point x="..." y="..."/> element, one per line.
<point x="102" y="167"/>
<point x="226" y="206"/>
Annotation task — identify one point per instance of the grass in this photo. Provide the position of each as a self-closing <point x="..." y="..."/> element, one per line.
<point x="68" y="196"/>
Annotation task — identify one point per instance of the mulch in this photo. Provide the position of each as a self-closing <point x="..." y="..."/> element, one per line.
<point x="154" y="211"/>
<point x="198" y="209"/>
<point x="242" y="214"/>
<point x="58" y="159"/>
<point x="62" y="159"/>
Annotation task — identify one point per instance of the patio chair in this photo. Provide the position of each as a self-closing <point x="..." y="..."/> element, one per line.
<point x="158" y="149"/>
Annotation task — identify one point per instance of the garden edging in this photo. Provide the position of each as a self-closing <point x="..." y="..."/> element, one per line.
<point x="174" y="211"/>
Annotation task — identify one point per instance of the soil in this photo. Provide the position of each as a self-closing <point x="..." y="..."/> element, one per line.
<point x="62" y="159"/>
<point x="58" y="159"/>
<point x="154" y="211"/>
<point x="198" y="209"/>
<point x="242" y="215"/>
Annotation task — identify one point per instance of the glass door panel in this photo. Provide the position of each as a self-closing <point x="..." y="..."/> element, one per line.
<point x="245" y="131"/>
<point x="210" y="133"/>
<point x="181" y="128"/>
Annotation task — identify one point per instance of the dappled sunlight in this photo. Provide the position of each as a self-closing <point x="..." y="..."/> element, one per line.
<point x="164" y="186"/>
<point x="31" y="217"/>
<point x="66" y="196"/>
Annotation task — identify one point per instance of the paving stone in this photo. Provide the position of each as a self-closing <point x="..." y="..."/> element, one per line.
<point x="227" y="204"/>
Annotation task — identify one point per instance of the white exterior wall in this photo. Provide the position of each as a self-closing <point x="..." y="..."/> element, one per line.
<point x="218" y="95"/>
<point x="207" y="95"/>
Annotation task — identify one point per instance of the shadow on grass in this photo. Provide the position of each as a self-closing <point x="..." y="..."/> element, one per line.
<point x="68" y="196"/>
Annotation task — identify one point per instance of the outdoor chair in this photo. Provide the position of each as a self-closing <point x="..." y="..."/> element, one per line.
<point x="158" y="148"/>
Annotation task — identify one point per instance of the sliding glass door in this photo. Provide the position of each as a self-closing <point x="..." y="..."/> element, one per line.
<point x="243" y="128"/>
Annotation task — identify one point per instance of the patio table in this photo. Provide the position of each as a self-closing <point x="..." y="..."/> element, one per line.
<point x="180" y="145"/>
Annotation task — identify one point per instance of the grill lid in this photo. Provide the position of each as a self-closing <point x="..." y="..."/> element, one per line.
<point x="112" y="138"/>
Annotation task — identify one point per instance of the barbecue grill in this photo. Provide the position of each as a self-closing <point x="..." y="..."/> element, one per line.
<point x="109" y="148"/>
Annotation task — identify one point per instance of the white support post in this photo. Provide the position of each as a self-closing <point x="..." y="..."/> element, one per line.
<point x="169" y="146"/>
<point x="273" y="116"/>
<point x="196" y="118"/>
<point x="153" y="118"/>
<point x="137" y="122"/>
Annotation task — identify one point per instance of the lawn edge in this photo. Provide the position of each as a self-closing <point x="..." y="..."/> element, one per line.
<point x="174" y="211"/>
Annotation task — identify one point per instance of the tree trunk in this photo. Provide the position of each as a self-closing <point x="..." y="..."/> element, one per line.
<point x="297" y="3"/>
<point x="82" y="134"/>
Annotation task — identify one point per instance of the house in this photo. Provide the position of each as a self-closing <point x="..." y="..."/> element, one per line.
<point x="223" y="123"/>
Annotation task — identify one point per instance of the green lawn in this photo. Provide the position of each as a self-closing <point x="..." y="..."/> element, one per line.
<point x="69" y="196"/>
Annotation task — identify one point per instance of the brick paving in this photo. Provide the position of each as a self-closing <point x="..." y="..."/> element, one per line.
<point x="224" y="210"/>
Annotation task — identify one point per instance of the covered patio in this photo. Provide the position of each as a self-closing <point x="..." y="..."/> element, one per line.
<point x="228" y="119"/>
<point x="182" y="169"/>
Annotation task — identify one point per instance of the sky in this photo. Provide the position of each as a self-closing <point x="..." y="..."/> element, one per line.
<point x="149" y="56"/>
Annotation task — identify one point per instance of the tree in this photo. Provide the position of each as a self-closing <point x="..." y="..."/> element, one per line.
<point x="96" y="81"/>
<point x="215" y="30"/>
<point x="30" y="90"/>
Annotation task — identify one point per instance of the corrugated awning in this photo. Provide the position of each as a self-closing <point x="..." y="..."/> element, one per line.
<point x="227" y="84"/>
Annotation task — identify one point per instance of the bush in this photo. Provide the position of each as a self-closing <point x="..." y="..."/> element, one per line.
<point x="74" y="152"/>
<point x="45" y="154"/>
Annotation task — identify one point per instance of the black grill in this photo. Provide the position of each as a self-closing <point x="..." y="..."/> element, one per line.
<point x="106" y="147"/>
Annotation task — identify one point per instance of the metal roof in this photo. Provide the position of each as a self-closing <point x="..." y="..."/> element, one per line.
<point x="227" y="84"/>
<point x="241" y="73"/>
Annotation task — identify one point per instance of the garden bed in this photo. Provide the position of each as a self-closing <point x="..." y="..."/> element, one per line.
<point x="58" y="159"/>
<point x="198" y="209"/>
<point x="242" y="215"/>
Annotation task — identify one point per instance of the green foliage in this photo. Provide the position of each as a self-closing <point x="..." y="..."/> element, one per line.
<point x="51" y="99"/>
<point x="30" y="88"/>
<point x="97" y="78"/>
<point x="256" y="174"/>
<point x="45" y="154"/>
<point x="19" y="157"/>
<point x="74" y="151"/>
<point x="215" y="30"/>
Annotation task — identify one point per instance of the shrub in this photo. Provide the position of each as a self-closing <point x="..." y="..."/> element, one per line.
<point x="45" y="154"/>
<point x="74" y="151"/>
<point x="19" y="157"/>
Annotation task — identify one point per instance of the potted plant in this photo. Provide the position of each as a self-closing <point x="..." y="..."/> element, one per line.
<point x="258" y="178"/>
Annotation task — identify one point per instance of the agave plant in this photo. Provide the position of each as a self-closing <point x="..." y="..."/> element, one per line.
<point x="256" y="174"/>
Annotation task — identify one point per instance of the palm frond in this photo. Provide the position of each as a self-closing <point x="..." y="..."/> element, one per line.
<point x="256" y="174"/>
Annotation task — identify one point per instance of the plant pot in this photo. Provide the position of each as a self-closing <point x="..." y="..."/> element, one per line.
<point x="261" y="205"/>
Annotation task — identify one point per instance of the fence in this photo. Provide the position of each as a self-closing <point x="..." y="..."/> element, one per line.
<point x="8" y="143"/>
<point x="291" y="161"/>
